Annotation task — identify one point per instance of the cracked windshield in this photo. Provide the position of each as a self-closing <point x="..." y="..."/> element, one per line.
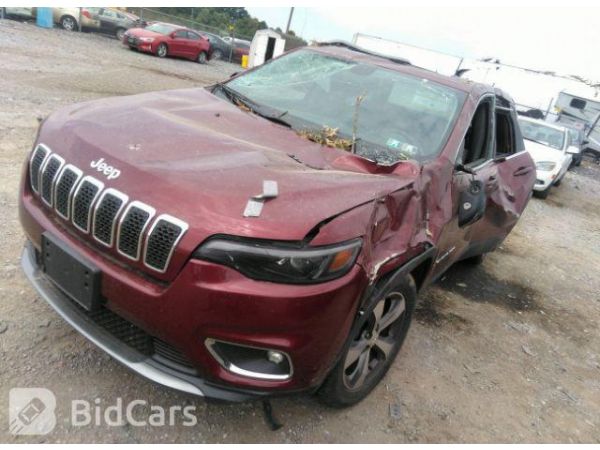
<point x="378" y="113"/>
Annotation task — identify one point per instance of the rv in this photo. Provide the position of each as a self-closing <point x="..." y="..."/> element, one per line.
<point x="574" y="110"/>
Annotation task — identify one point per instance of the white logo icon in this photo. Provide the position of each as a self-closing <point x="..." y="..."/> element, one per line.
<point x="31" y="411"/>
<point x="101" y="166"/>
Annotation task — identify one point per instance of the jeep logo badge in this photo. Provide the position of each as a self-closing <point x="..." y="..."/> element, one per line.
<point x="110" y="171"/>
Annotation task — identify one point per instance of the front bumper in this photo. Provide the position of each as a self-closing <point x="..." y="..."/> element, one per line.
<point x="544" y="180"/>
<point x="138" y="362"/>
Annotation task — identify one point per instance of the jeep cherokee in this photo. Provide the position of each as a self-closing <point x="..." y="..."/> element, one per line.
<point x="269" y="234"/>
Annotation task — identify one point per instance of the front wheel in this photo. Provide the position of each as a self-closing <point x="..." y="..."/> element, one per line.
<point x="162" y="50"/>
<point x="68" y="23"/>
<point x="542" y="194"/>
<point x="201" y="58"/>
<point x="217" y="54"/>
<point x="372" y="346"/>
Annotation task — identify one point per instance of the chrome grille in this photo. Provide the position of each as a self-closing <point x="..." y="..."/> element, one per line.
<point x="105" y="213"/>
<point x="161" y="241"/>
<point x="35" y="164"/>
<point x="63" y="190"/>
<point x="108" y="208"/>
<point x="131" y="229"/>
<point x="49" y="172"/>
<point x="85" y="195"/>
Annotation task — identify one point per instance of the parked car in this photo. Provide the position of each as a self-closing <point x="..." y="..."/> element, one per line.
<point x="551" y="149"/>
<point x="261" y="239"/>
<point x="220" y="48"/>
<point x="114" y="22"/>
<point x="578" y="141"/>
<point x="241" y="47"/>
<point x="165" y="39"/>
<point x="70" y="19"/>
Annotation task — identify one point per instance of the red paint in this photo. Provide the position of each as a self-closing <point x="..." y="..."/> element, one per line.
<point x="199" y="158"/>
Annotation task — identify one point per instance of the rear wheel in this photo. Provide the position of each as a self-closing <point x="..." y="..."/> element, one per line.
<point x="162" y="50"/>
<point x="372" y="346"/>
<point x="120" y="33"/>
<point x="201" y="58"/>
<point x="68" y="23"/>
<point x="217" y="54"/>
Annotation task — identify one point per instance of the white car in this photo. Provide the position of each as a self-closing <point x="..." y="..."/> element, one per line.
<point x="550" y="147"/>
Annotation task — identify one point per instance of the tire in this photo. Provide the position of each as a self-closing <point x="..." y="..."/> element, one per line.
<point x="542" y="194"/>
<point x="347" y="384"/>
<point x="201" y="58"/>
<point x="162" y="50"/>
<point x="68" y="23"/>
<point x="557" y="182"/>
<point x="119" y="34"/>
<point x="217" y="54"/>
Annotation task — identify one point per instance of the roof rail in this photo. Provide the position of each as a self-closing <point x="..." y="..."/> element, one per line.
<point x="354" y="48"/>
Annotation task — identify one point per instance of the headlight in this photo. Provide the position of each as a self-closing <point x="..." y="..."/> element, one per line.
<point x="546" y="166"/>
<point x="282" y="262"/>
<point x="147" y="40"/>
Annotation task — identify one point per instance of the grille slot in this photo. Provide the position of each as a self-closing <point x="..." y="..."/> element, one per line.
<point x="38" y="157"/>
<point x="161" y="241"/>
<point x="85" y="195"/>
<point x="170" y="356"/>
<point x="108" y="208"/>
<point x="49" y="172"/>
<point x="65" y="185"/>
<point x="131" y="228"/>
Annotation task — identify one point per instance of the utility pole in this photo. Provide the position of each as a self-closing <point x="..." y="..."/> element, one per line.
<point x="287" y="29"/>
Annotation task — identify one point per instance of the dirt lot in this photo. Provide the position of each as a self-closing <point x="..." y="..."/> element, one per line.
<point x="505" y="352"/>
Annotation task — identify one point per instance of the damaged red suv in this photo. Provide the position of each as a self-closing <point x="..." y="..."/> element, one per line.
<point x="269" y="234"/>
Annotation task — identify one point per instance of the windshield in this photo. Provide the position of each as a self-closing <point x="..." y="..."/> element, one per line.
<point x="161" y="28"/>
<point x="543" y="134"/>
<point x="388" y="116"/>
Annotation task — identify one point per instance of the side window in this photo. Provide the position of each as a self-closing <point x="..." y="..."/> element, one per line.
<point x="193" y="36"/>
<point x="181" y="34"/>
<point x="478" y="144"/>
<point x="505" y="133"/>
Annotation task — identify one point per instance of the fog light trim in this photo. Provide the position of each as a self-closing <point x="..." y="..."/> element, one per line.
<point x="233" y="368"/>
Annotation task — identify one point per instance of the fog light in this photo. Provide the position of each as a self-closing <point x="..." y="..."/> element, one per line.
<point x="252" y="362"/>
<point x="275" y="357"/>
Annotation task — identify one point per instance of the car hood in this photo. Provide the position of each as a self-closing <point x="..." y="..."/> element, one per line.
<point x="540" y="152"/>
<point x="197" y="157"/>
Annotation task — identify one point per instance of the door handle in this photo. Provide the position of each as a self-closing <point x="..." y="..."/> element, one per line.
<point x="523" y="170"/>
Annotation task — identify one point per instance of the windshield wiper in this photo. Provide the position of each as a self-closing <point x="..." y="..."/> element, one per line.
<point x="240" y="100"/>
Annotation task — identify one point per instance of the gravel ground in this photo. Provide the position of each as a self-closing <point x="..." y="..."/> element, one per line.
<point x="505" y="352"/>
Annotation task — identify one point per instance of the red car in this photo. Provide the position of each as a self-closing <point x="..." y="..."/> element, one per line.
<point x="164" y="39"/>
<point x="270" y="234"/>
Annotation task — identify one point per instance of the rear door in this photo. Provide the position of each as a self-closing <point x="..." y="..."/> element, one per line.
<point x="195" y="44"/>
<point x="108" y="20"/>
<point x="514" y="173"/>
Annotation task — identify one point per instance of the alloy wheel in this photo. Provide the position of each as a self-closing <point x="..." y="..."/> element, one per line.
<point x="68" y="23"/>
<point x="376" y="341"/>
<point x="161" y="51"/>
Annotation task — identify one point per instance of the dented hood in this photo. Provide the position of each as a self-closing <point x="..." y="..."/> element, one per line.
<point x="199" y="158"/>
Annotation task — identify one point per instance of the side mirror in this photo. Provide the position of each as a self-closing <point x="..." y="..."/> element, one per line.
<point x="573" y="150"/>
<point x="472" y="204"/>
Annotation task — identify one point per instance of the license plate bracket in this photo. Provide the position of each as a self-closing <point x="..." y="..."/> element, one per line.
<point x="78" y="277"/>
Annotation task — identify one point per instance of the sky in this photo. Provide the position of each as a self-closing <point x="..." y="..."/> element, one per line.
<point x="560" y="39"/>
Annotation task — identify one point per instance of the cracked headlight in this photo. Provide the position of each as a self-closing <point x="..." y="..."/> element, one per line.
<point x="281" y="262"/>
